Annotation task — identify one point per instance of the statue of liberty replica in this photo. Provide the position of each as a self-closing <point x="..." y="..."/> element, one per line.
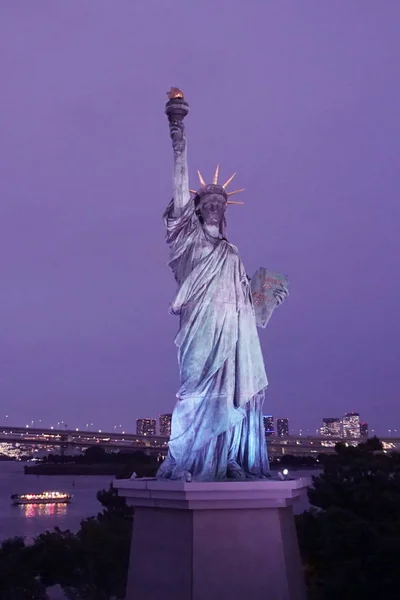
<point x="217" y="430"/>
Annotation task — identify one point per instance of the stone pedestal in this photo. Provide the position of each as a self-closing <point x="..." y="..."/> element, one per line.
<point x="214" y="541"/>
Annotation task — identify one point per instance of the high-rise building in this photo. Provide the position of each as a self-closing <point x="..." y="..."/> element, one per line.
<point x="282" y="427"/>
<point x="165" y="424"/>
<point x="269" y="426"/>
<point x="146" y="427"/>
<point x="331" y="427"/>
<point x="364" y="429"/>
<point x="351" y="425"/>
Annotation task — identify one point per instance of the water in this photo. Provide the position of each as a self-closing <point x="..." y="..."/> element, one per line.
<point x="30" y="520"/>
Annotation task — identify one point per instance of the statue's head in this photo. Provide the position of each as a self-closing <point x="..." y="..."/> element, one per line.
<point x="211" y="201"/>
<point x="212" y="209"/>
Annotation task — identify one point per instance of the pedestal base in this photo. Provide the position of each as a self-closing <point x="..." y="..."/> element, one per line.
<point x="214" y="541"/>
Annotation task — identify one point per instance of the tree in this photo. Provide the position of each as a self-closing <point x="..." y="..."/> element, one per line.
<point x="361" y="480"/>
<point x="18" y="576"/>
<point x="372" y="445"/>
<point x="350" y="544"/>
<point x="89" y="565"/>
<point x="95" y="454"/>
<point x="114" y="505"/>
<point x="92" y="564"/>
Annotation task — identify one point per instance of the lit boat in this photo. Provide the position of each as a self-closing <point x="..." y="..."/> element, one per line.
<point x="42" y="498"/>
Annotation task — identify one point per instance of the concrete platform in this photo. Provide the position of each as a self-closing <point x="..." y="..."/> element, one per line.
<point x="214" y="541"/>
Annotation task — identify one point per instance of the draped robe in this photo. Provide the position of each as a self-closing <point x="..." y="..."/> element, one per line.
<point x="217" y="419"/>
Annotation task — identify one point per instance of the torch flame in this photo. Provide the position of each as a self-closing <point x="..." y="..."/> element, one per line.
<point x="175" y="92"/>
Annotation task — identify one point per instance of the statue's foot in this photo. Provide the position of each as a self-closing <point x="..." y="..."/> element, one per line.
<point x="235" y="471"/>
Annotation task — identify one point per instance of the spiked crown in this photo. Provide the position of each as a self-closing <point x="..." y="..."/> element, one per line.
<point x="215" y="188"/>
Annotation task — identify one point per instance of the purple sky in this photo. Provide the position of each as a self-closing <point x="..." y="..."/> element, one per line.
<point x="300" y="98"/>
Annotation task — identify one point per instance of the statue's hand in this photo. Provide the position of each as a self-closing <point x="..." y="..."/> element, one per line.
<point x="177" y="133"/>
<point x="281" y="293"/>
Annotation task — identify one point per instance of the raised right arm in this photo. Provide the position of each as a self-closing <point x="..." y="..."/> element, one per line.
<point x="176" y="110"/>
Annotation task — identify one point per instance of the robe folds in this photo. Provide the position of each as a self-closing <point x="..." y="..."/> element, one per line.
<point x="218" y="418"/>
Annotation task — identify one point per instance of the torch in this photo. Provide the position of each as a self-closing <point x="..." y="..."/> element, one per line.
<point x="176" y="108"/>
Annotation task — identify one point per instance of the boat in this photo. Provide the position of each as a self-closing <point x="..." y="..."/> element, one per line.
<point x="42" y="498"/>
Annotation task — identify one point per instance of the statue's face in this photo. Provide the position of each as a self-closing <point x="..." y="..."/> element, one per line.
<point x="212" y="209"/>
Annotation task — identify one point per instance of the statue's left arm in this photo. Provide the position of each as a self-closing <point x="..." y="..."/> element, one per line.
<point x="281" y="293"/>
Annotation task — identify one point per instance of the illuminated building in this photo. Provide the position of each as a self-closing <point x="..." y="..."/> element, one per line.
<point x="331" y="427"/>
<point x="10" y="450"/>
<point x="364" y="430"/>
<point x="269" y="426"/>
<point x="145" y="427"/>
<point x="282" y="427"/>
<point x="165" y="424"/>
<point x="351" y="425"/>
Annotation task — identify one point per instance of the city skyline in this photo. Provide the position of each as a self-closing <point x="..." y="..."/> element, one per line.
<point x="334" y="425"/>
<point x="86" y="175"/>
<point x="274" y="426"/>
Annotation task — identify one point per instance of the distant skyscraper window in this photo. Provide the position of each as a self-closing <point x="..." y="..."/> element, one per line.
<point x="146" y="427"/>
<point x="269" y="426"/>
<point x="364" y="430"/>
<point x="282" y="427"/>
<point x="165" y="424"/>
<point x="331" y="427"/>
<point x="351" y="425"/>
